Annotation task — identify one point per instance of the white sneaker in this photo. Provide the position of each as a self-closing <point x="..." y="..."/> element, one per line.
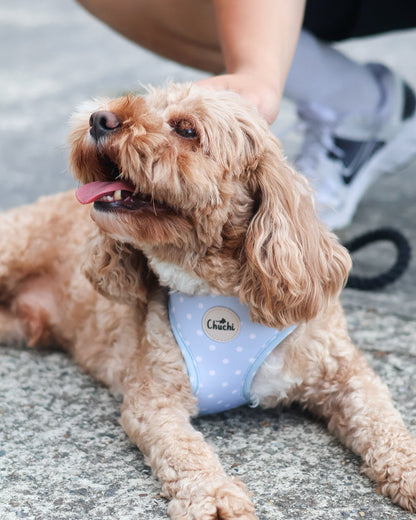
<point x="343" y="156"/>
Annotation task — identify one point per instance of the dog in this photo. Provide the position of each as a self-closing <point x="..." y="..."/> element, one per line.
<point x="190" y="195"/>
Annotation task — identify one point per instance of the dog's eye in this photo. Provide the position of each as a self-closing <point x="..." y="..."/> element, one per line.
<point x="184" y="128"/>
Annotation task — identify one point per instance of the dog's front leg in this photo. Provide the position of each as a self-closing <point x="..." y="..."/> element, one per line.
<point x="189" y="471"/>
<point x="156" y="412"/>
<point x="341" y="387"/>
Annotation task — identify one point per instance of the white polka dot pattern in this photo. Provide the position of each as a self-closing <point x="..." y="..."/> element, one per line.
<point x="220" y="372"/>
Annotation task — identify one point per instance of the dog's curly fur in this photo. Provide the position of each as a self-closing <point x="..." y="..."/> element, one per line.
<point x="220" y="211"/>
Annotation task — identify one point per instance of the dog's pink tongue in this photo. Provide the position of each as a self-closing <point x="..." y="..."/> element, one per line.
<point x="94" y="190"/>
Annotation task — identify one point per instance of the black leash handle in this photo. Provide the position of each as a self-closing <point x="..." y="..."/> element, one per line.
<point x="403" y="249"/>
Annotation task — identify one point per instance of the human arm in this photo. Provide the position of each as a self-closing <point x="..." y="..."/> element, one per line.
<point x="258" y="40"/>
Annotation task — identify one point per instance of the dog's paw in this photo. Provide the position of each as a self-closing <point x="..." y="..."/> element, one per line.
<point x="397" y="479"/>
<point x="221" y="500"/>
<point x="401" y="488"/>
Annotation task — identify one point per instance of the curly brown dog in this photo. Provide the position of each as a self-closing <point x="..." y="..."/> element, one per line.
<point x="191" y="194"/>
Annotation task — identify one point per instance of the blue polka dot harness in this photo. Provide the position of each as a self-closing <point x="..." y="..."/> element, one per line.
<point x="221" y="346"/>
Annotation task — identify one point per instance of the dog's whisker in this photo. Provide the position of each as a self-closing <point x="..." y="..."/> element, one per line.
<point x="154" y="206"/>
<point x="231" y="224"/>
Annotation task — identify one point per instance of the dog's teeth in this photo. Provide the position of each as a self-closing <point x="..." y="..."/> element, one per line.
<point x="117" y="195"/>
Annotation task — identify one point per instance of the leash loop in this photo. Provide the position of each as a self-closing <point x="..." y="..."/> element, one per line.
<point x="403" y="255"/>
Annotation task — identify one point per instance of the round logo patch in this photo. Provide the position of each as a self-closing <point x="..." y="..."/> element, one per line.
<point x="221" y="324"/>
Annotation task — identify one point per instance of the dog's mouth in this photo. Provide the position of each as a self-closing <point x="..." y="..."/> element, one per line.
<point x="113" y="196"/>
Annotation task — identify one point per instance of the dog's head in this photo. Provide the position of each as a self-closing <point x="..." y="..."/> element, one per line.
<point x="197" y="181"/>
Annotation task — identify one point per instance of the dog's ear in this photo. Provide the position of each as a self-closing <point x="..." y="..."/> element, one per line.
<point x="292" y="264"/>
<point x="116" y="270"/>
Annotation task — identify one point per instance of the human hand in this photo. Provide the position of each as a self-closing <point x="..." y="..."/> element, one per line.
<point x="256" y="90"/>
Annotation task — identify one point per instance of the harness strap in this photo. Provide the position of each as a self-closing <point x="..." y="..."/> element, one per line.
<point x="222" y="348"/>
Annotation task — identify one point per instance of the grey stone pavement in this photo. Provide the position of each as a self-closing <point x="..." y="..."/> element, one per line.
<point x="63" y="454"/>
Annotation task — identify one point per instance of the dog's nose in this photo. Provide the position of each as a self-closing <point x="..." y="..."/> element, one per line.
<point x="103" y="122"/>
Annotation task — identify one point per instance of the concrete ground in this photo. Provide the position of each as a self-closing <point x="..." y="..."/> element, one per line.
<point x="63" y="454"/>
